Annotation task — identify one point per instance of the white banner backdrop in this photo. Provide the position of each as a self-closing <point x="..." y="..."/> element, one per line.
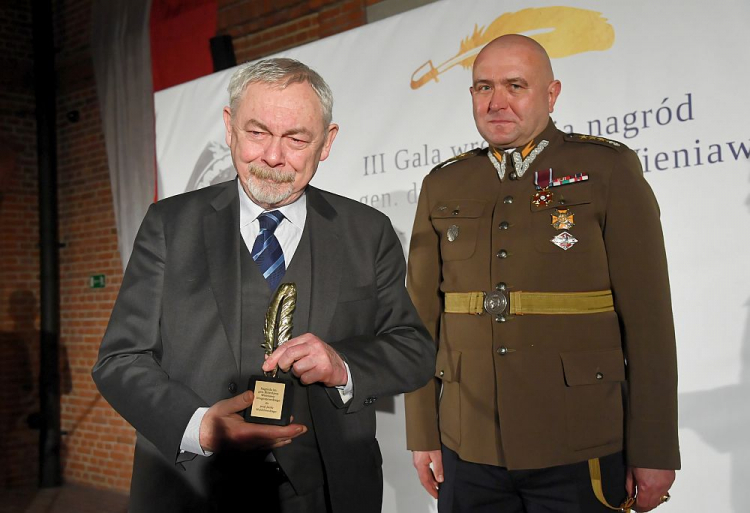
<point x="668" y="79"/>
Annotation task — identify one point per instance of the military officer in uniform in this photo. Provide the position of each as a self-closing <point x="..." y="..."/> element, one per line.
<point x="538" y="266"/>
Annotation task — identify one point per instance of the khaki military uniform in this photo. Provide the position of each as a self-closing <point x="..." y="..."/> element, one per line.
<point x="538" y="390"/>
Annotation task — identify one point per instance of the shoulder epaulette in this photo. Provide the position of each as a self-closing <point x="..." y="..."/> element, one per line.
<point x="602" y="141"/>
<point x="461" y="156"/>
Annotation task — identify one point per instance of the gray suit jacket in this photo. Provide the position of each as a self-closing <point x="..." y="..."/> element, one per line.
<point x="173" y="344"/>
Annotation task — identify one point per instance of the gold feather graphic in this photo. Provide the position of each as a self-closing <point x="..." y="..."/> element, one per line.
<point x="562" y="31"/>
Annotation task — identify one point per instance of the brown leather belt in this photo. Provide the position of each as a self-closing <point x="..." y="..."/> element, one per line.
<point x="529" y="303"/>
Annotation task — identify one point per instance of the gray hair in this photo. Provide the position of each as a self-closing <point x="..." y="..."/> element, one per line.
<point x="282" y="72"/>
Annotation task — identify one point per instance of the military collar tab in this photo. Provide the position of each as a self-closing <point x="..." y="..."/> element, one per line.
<point x="520" y="164"/>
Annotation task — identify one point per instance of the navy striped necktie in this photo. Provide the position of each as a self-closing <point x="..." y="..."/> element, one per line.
<point x="267" y="251"/>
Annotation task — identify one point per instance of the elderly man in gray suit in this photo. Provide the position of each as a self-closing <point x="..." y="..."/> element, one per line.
<point x="186" y="331"/>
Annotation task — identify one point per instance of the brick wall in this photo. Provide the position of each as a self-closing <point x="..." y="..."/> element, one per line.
<point x="263" y="28"/>
<point x="97" y="446"/>
<point x="19" y="264"/>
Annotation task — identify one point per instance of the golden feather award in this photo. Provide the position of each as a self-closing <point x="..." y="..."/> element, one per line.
<point x="274" y="395"/>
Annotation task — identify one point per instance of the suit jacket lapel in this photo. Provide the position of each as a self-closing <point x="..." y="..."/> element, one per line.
<point x="222" y="237"/>
<point x="325" y="259"/>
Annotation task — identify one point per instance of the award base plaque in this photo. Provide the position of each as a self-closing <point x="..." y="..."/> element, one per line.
<point x="273" y="401"/>
<point x="274" y="396"/>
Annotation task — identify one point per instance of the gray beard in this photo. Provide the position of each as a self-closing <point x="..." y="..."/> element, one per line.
<point x="269" y="192"/>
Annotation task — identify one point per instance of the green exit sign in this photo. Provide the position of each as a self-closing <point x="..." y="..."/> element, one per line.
<point x="97" y="281"/>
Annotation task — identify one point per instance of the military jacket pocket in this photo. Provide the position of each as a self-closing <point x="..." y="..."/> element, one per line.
<point x="448" y="369"/>
<point x="448" y="365"/>
<point x="593" y="397"/>
<point x="593" y="367"/>
<point x="566" y="196"/>
<point x="457" y="223"/>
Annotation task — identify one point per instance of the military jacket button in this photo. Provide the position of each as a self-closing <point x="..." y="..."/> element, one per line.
<point x="502" y="351"/>
<point x="442" y="373"/>
<point x="501" y="286"/>
<point x="599" y="375"/>
<point x="504" y="225"/>
<point x="508" y="200"/>
<point x="502" y="254"/>
<point x="232" y="387"/>
<point x="500" y="318"/>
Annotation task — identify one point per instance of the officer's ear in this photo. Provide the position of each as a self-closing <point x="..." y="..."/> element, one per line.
<point x="553" y="90"/>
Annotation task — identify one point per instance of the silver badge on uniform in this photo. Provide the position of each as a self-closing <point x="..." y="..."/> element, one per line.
<point x="452" y="233"/>
<point x="564" y="241"/>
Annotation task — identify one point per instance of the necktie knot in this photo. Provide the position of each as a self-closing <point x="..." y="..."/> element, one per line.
<point x="269" y="221"/>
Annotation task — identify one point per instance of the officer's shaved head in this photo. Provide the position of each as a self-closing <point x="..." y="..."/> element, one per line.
<point x="513" y="90"/>
<point x="519" y="43"/>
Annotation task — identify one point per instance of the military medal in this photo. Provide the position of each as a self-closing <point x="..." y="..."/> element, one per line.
<point x="543" y="196"/>
<point x="564" y="241"/>
<point x="563" y="219"/>
<point x="565" y="180"/>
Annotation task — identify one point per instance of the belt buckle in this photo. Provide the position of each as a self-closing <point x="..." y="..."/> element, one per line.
<point x="495" y="302"/>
